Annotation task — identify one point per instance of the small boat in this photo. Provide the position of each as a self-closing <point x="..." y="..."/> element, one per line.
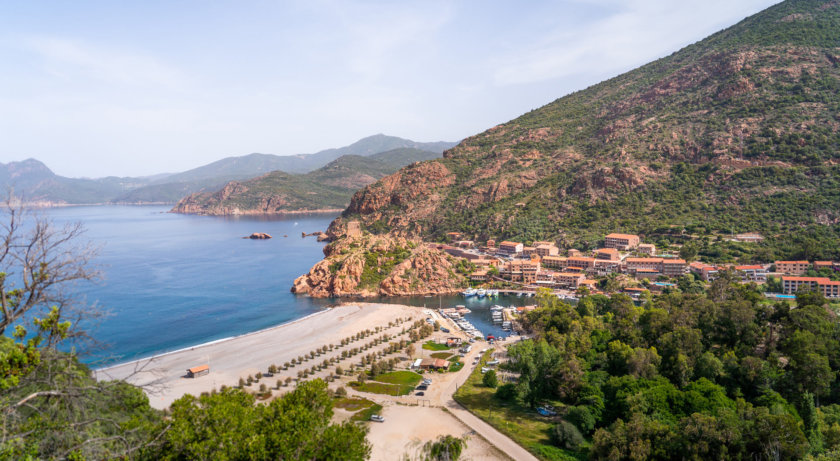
<point x="469" y="292"/>
<point x="519" y="295"/>
<point x="481" y="292"/>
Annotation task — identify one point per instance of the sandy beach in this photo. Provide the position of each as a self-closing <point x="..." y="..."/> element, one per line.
<point x="163" y="377"/>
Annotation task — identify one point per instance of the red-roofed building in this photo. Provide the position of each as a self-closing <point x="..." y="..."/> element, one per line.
<point x="792" y="267"/>
<point x="507" y="248"/>
<point x="609" y="254"/>
<point x="824" y="285"/>
<point x="622" y="242"/>
<point x="753" y="273"/>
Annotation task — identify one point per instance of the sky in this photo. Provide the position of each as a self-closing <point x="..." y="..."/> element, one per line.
<point x="104" y="88"/>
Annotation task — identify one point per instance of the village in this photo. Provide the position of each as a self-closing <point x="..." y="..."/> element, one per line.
<point x="540" y="265"/>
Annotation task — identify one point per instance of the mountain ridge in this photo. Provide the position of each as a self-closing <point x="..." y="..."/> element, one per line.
<point x="737" y="132"/>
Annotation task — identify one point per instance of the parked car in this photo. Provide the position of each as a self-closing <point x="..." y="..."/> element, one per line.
<point x="492" y="363"/>
<point x="484" y="369"/>
<point x="444" y="329"/>
<point x="377" y="418"/>
<point x="546" y="412"/>
<point x="420" y="393"/>
<point x="422" y="387"/>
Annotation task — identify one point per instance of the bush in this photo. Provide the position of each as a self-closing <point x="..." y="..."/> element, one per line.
<point x="566" y="435"/>
<point x="341" y="392"/>
<point x="581" y="417"/>
<point x="506" y="392"/>
<point x="490" y="379"/>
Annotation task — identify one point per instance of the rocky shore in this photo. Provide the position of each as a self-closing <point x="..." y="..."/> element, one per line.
<point x="370" y="265"/>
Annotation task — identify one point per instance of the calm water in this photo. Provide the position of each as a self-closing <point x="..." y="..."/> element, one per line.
<point x="172" y="281"/>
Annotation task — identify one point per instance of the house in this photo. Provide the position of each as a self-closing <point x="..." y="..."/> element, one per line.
<point x="609" y="254"/>
<point x="547" y="250"/>
<point x="634" y="264"/>
<point x="434" y="364"/>
<point x="647" y="248"/>
<point x="753" y="273"/>
<point x="465" y="244"/>
<point x="528" y="251"/>
<point x="508" y="248"/>
<point x="824" y="285"/>
<point x="706" y="272"/>
<point x="524" y="271"/>
<point x="491" y="243"/>
<point x="572" y="253"/>
<point x="452" y="236"/>
<point x="650" y="274"/>
<point x="792" y="267"/>
<point x="622" y="242"/>
<point x="200" y="370"/>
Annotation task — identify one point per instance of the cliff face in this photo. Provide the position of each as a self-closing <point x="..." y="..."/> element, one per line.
<point x="738" y="132"/>
<point x="367" y="265"/>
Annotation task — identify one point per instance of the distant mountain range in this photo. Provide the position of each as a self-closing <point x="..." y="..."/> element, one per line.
<point x="327" y="188"/>
<point x="34" y="182"/>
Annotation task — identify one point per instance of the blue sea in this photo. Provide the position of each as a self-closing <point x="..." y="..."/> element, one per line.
<point x="172" y="281"/>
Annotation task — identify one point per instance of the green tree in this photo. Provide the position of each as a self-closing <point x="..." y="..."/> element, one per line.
<point x="489" y="379"/>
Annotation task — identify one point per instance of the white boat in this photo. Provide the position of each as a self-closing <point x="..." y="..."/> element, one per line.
<point x="481" y="292"/>
<point x="519" y="295"/>
<point x="469" y="292"/>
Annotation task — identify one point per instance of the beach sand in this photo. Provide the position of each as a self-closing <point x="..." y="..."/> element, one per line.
<point x="163" y="377"/>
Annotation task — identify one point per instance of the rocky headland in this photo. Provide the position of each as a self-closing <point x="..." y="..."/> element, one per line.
<point x="370" y="265"/>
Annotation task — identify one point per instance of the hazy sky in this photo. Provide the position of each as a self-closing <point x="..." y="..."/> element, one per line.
<point x="96" y="88"/>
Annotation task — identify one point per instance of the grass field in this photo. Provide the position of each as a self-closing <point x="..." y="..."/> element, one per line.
<point x="400" y="377"/>
<point x="442" y="355"/>
<point x="393" y="383"/>
<point x="520" y="423"/>
<point x="433" y="346"/>
<point x="456" y="366"/>
<point x="363" y="408"/>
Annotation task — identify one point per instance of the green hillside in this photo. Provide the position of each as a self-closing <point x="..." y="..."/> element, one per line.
<point x="329" y="187"/>
<point x="738" y="132"/>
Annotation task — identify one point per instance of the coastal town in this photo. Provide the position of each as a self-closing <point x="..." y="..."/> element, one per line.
<point x="540" y="265"/>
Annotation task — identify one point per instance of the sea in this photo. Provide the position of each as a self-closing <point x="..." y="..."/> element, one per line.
<point x="171" y="281"/>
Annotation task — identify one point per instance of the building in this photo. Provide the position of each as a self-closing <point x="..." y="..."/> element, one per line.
<point x="752" y="273"/>
<point x="555" y="262"/>
<point x="819" y="265"/>
<point x="524" y="271"/>
<point x="491" y="243"/>
<point x="706" y="272"/>
<point x="610" y="254"/>
<point x="479" y="276"/>
<point x="434" y="364"/>
<point x="572" y="253"/>
<point x="604" y="267"/>
<point x="673" y="267"/>
<point x="792" y="267"/>
<point x="507" y="248"/>
<point x="647" y="248"/>
<point x="824" y="285"/>
<point x="622" y="242"/>
<point x="452" y="236"/>
<point x="584" y="263"/>
<point x="634" y="264"/>
<point x="569" y="279"/>
<point x="546" y="249"/>
<point x="528" y="251"/>
<point x="200" y="370"/>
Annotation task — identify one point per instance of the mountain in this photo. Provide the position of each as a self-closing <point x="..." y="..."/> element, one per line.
<point x="738" y="132"/>
<point x="327" y="188"/>
<point x="215" y="175"/>
<point x="33" y="181"/>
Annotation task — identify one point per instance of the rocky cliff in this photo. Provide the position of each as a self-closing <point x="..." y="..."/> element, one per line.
<point x="739" y="132"/>
<point x="367" y="265"/>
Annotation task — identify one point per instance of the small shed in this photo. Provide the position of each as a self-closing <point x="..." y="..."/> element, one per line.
<point x="200" y="370"/>
<point x="434" y="364"/>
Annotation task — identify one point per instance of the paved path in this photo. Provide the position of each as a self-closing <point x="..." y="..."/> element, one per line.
<point x="499" y="440"/>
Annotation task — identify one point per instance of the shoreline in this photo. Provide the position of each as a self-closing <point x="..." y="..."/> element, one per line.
<point x="214" y="342"/>
<point x="163" y="377"/>
<point x="264" y="213"/>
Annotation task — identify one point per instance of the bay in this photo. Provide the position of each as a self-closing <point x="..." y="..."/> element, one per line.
<point x="172" y="281"/>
